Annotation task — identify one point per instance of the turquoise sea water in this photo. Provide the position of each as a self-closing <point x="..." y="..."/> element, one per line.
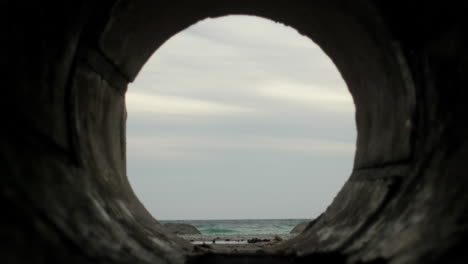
<point x="244" y="226"/>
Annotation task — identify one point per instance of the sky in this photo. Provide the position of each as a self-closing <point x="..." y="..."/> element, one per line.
<point x="239" y="117"/>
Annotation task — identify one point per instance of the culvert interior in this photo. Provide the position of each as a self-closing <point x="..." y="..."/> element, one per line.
<point x="65" y="192"/>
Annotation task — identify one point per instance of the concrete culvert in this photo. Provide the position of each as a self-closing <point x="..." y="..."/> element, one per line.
<point x="65" y="193"/>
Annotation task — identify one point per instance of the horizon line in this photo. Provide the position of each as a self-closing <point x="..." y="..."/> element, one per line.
<point x="220" y="219"/>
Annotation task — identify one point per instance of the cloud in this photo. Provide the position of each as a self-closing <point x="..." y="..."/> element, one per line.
<point x="328" y="100"/>
<point x="169" y="147"/>
<point x="163" y="104"/>
<point x="228" y="60"/>
<point x="250" y="32"/>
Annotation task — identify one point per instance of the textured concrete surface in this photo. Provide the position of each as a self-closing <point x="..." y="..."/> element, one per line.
<point x="65" y="195"/>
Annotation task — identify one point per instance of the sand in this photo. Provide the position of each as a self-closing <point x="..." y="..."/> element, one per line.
<point x="236" y="243"/>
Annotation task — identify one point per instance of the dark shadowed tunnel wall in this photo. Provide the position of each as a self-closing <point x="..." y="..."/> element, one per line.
<point x="65" y="191"/>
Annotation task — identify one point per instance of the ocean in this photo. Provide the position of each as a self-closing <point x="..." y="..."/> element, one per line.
<point x="244" y="226"/>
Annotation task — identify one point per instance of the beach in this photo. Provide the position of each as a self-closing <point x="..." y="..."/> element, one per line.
<point x="235" y="235"/>
<point x="236" y="243"/>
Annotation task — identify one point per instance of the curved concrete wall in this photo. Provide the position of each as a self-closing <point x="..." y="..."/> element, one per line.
<point x="65" y="192"/>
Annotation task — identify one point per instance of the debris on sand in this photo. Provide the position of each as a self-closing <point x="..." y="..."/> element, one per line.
<point x="256" y="240"/>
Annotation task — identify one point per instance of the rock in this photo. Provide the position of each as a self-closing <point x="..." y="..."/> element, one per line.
<point x="256" y="240"/>
<point x="277" y="239"/>
<point x="182" y="229"/>
<point x="299" y="227"/>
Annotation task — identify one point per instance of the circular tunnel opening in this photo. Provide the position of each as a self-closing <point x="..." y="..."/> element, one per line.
<point x="66" y="190"/>
<point x="239" y="118"/>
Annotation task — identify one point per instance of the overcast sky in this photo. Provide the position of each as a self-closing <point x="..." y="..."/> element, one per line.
<point x="239" y="117"/>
